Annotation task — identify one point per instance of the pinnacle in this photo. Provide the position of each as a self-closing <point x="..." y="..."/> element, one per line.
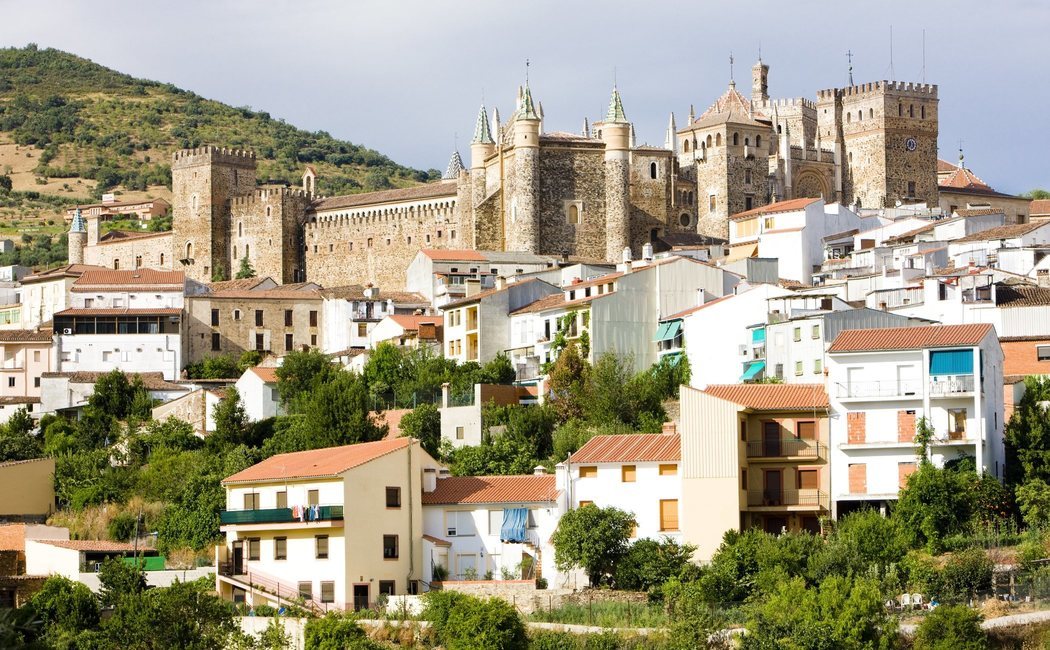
<point x="615" y="112"/>
<point x="78" y="224"/>
<point x="455" y="165"/>
<point x="482" y="132"/>
<point x="526" y="109"/>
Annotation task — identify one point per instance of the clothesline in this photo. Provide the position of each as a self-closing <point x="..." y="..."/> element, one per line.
<point x="306" y="513"/>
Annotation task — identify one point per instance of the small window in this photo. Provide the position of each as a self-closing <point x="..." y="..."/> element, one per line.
<point x="260" y="342"/>
<point x="911" y="188"/>
<point x="306" y="590"/>
<point x="816" y="332"/>
<point x="572" y="214"/>
<point x="818" y="366"/>
<point x="748" y="202"/>
<point x="584" y="504"/>
<point x="362" y="329"/>
<point x="1042" y="352"/>
<point x="668" y="469"/>
<point x="459" y="433"/>
<point x="287" y="318"/>
<point x="747" y="176"/>
<point x="251" y="500"/>
<point x="797" y="334"/>
<point x="321" y="547"/>
<point x="806" y="430"/>
<point x="628" y="473"/>
<point x="386" y="587"/>
<point x="327" y="591"/>
<point x="313" y="319"/>
<point x="214" y="317"/>
<point x="236" y="314"/>
<point x="289" y="343"/>
<point x="390" y="550"/>
<point x="668" y="514"/>
<point x="312" y="498"/>
<point x="10" y="382"/>
<point x="743" y="431"/>
<point x="798" y="368"/>
<point x="282" y="499"/>
<point x="711" y="202"/>
<point x="254" y="547"/>
<point x="808" y="479"/>
<point x="216" y="342"/>
<point x="743" y="478"/>
<point x="588" y="471"/>
<point x="280" y="548"/>
<point x="258" y="318"/>
<point x="652" y="170"/>
<point x="393" y="497"/>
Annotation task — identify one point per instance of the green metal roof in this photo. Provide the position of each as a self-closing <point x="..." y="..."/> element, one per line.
<point x="615" y="112"/>
<point x="482" y="132"/>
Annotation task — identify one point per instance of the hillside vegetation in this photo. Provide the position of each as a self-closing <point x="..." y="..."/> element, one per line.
<point x="71" y="129"/>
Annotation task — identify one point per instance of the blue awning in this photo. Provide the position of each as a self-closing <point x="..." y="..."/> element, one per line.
<point x="758" y="335"/>
<point x="672" y="359"/>
<point x="514" y="523"/>
<point x="951" y="362"/>
<point x="752" y="370"/>
<point x="661" y="332"/>
<point x="668" y="331"/>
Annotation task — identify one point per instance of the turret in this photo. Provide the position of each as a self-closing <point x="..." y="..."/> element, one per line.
<point x="310" y="180"/>
<point x="455" y="167"/>
<point x="759" y="83"/>
<point x="77" y="238"/>
<point x="616" y="133"/>
<point x="670" y="137"/>
<point x="523" y="227"/>
<point x="482" y="145"/>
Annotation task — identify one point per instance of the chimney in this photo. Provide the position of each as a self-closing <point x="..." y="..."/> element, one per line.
<point x="500" y="282"/>
<point x="669" y="427"/>
<point x="371" y="291"/>
<point x="565" y="257"/>
<point x="539" y="470"/>
<point x="429" y="479"/>
<point x="626" y="254"/>
<point x="444" y="473"/>
<point x="647" y="252"/>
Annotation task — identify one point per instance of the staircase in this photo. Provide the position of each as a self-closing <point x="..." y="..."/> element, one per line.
<point x="255" y="580"/>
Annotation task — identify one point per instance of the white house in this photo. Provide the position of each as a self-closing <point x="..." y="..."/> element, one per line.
<point x="71" y="390"/>
<point x="257" y="388"/>
<point x="47" y="292"/>
<point x="983" y="248"/>
<point x="351" y="313"/>
<point x="131" y="289"/>
<point x="883" y="383"/>
<point x="132" y="340"/>
<point x="409" y="331"/>
<point x="447" y="275"/>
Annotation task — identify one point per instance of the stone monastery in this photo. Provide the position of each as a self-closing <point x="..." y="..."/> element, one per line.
<point x="589" y="195"/>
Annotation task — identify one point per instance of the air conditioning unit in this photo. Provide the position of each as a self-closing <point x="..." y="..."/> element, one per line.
<point x="67" y="330"/>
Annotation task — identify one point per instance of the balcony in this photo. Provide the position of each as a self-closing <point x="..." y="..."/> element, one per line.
<point x="799" y="499"/>
<point x="277" y="516"/>
<point x="951" y="385"/>
<point x="786" y="448"/>
<point x="910" y="388"/>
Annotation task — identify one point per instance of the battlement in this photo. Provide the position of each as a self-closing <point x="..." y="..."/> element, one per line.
<point x="265" y="193"/>
<point x="872" y="88"/>
<point x="792" y="102"/>
<point x="212" y="155"/>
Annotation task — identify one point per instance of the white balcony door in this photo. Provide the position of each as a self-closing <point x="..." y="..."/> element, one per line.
<point x="908" y="379"/>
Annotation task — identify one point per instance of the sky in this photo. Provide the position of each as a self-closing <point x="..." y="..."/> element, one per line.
<point x="406" y="77"/>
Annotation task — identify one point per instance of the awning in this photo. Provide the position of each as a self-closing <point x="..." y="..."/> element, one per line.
<point x="758" y="335"/>
<point x="514" y="523"/>
<point x="668" y="331"/>
<point x="672" y="359"/>
<point x="752" y="370"/>
<point x="951" y="362"/>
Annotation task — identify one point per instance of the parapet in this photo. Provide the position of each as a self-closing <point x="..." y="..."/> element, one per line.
<point x="263" y="194"/>
<point x="878" y="88"/>
<point x="213" y="155"/>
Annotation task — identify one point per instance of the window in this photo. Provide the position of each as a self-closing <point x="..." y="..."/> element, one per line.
<point x="747" y="176"/>
<point x="312" y="498"/>
<point x="798" y="368"/>
<point x="808" y="479"/>
<point x="287" y="318"/>
<point x="584" y="504"/>
<point x="321" y="547"/>
<point x="459" y="433"/>
<point x="214" y="317"/>
<point x="362" y="329"/>
<point x="806" y="430"/>
<point x="327" y="591"/>
<point x="668" y="514"/>
<point x="260" y="342"/>
<point x="736" y="139"/>
<point x="36" y="355"/>
<point x="116" y="264"/>
<point x="313" y="318"/>
<point x="956" y="424"/>
<point x="572" y="214"/>
<point x="258" y="318"/>
<point x="236" y="314"/>
<point x="370" y="242"/>
<point x="743" y="431"/>
<point x="711" y="202"/>
<point x="10" y="382"/>
<point x="797" y="334"/>
<point x="911" y="110"/>
<point x="288" y="342"/>
<point x="758" y="141"/>
<point x="743" y="478"/>
<point x="254" y="546"/>
<point x="162" y="259"/>
<point x="280" y="548"/>
<point x="816" y="332"/>
<point x="215" y="341"/>
<point x="393" y="497"/>
<point x="628" y="473"/>
<point x="36" y="382"/>
<point x="282" y="499"/>
<point x="389" y="547"/>
<point x="748" y="202"/>
<point x="818" y="366"/>
<point x="386" y="587"/>
<point x="911" y="188"/>
<point x="138" y="261"/>
<point x="306" y="590"/>
<point x="588" y="471"/>
<point x="668" y="469"/>
<point x="1042" y="352"/>
<point x="251" y="500"/>
<point x="459" y="523"/>
<point x="652" y="170"/>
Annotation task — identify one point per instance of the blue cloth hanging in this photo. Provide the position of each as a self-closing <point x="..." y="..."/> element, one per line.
<point x="514" y="523"/>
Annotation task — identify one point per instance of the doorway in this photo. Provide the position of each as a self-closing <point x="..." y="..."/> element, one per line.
<point x="238" y="558"/>
<point x="360" y="597"/>
<point x="771" y="438"/>
<point x="773" y="487"/>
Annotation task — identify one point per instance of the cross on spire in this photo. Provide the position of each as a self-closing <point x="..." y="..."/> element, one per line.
<point x="731" y="80"/>
<point x="849" y="60"/>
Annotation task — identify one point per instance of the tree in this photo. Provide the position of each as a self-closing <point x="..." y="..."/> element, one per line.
<point x="185" y="615"/>
<point x="119" y="580"/>
<point x="935" y="504"/>
<point x="593" y="539"/>
<point x="333" y="413"/>
<point x="568" y="384"/>
<point x="965" y="575"/>
<point x="17" y="441"/>
<point x="383" y="370"/>
<point x="65" y="607"/>
<point x="464" y="622"/>
<point x="1027" y="435"/>
<point x="231" y="421"/>
<point x="650" y="563"/>
<point x="5" y="183"/>
<point x="859" y="543"/>
<point x="951" y="627"/>
<point x="694" y="623"/>
<point x="335" y="631"/>
<point x="1037" y="194"/>
<point x="245" y="271"/>
<point x="424" y="424"/>
<point x="302" y="372"/>
<point x="505" y="454"/>
<point x="114" y="394"/>
<point x="1033" y="499"/>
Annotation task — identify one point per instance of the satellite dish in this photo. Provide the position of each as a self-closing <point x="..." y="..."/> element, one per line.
<point x="898" y="203"/>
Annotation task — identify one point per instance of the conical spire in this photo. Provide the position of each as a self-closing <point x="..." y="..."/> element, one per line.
<point x="615" y="112"/>
<point x="497" y="124"/>
<point x="670" y="138"/>
<point x="482" y="132"/>
<point x="586" y="128"/>
<point x="692" y="114"/>
<point x="455" y="166"/>
<point x="526" y="109"/>
<point x="632" y="136"/>
<point x="78" y="224"/>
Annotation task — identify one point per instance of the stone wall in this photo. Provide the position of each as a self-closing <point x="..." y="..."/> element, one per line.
<point x="572" y="173"/>
<point x="237" y="327"/>
<point x="266" y="226"/>
<point x="145" y="251"/>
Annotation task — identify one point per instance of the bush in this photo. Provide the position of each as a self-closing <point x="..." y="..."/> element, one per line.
<point x="951" y="628"/>
<point x="122" y="527"/>
<point x="650" y="563"/>
<point x="966" y="574"/>
<point x="336" y="631"/>
<point x="491" y="624"/>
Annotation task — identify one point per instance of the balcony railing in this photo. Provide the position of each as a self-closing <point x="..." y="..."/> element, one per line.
<point x="785" y="447"/>
<point x="772" y="498"/>
<point x="951" y="384"/>
<point x="278" y="515"/>
<point x="889" y="388"/>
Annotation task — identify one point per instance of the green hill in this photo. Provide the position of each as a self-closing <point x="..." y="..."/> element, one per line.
<point x="71" y="129"/>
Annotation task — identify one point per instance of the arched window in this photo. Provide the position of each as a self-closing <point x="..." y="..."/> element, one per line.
<point x="235" y="253"/>
<point x="758" y="141"/>
<point x="116" y="264"/>
<point x="709" y="140"/>
<point x="574" y="214"/>
<point x="240" y="228"/>
<point x="194" y="202"/>
<point x="747" y="142"/>
<point x="686" y="146"/>
<point x="736" y="139"/>
<point x="684" y="220"/>
<point x="851" y="156"/>
<point x="162" y="259"/>
<point x="269" y="210"/>
<point x="189" y="250"/>
<point x="780" y="129"/>
<point x="871" y="112"/>
<point x="247" y="248"/>
<point x="849" y="117"/>
<point x="652" y="170"/>
<point x="911" y="110"/>
<point x="922" y="110"/>
<point x="718" y="139"/>
<point x="900" y="110"/>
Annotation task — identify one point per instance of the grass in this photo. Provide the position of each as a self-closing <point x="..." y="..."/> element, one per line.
<point x="605" y="614"/>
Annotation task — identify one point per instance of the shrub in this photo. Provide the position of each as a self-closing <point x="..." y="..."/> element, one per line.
<point x="951" y="628"/>
<point x="336" y="631"/>
<point x="966" y="574"/>
<point x="491" y="624"/>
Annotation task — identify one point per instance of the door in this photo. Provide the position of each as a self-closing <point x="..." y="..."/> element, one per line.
<point x="467" y="565"/>
<point x="774" y="525"/>
<point x="238" y="558"/>
<point x="908" y="380"/>
<point x="360" y="597"/>
<point x="771" y="438"/>
<point x="773" y="488"/>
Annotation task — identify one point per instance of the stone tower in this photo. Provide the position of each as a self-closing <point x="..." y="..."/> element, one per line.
<point x="522" y="228"/>
<point x="77" y="239"/>
<point x="203" y="181"/>
<point x="481" y="147"/>
<point x="760" y="84"/>
<point x="616" y="134"/>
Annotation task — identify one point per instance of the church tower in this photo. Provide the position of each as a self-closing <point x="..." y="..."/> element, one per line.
<point x="616" y="134"/>
<point x="77" y="238"/>
<point x="522" y="223"/>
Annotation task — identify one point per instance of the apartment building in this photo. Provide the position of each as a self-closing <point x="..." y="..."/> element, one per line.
<point x="351" y="313"/>
<point x="26" y="355"/>
<point x="753" y="456"/>
<point x="477" y="328"/>
<point x="882" y="383"/>
<point x="337" y="527"/>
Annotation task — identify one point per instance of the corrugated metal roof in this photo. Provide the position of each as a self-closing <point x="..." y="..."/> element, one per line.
<point x="909" y="338"/>
<point x="317" y="463"/>
<point x="492" y="489"/>
<point x="632" y="447"/>
<point x="772" y="397"/>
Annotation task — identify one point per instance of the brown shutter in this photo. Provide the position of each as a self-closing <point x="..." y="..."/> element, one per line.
<point x="807" y="430"/>
<point x="808" y="479"/>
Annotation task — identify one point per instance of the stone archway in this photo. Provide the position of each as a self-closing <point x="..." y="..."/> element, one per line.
<point x="811" y="184"/>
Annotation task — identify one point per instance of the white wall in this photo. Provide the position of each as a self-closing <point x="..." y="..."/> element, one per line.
<point x="127" y="352"/>
<point x="130" y="299"/>
<point x="641" y="497"/>
<point x="259" y="398"/>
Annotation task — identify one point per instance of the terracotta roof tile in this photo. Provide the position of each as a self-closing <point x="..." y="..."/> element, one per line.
<point x="411" y="323"/>
<point x="944" y="167"/>
<point x="791" y="205"/>
<point x="443" y="188"/>
<point x="267" y="374"/>
<point x="240" y="285"/>
<point x="130" y="278"/>
<point x="1008" y="231"/>
<point x="631" y="447"/>
<point x="24" y="336"/>
<point x="964" y="179"/>
<point x="67" y="271"/>
<point x="151" y="380"/>
<point x="1019" y="295"/>
<point x="91" y="545"/>
<point x="492" y="489"/>
<point x="1039" y="207"/>
<point x="772" y="397"/>
<point x="317" y="463"/>
<point x="909" y="338"/>
<point x="264" y="294"/>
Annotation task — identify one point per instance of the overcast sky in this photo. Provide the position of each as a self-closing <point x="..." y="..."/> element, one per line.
<point x="405" y="77"/>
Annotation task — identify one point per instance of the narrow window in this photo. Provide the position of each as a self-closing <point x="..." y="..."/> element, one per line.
<point x="282" y="499"/>
<point x="306" y="590"/>
<point x="287" y="317"/>
<point x="258" y="318"/>
<point x="214" y="317"/>
<point x="668" y="514"/>
<point x="390" y="550"/>
<point x="280" y="548"/>
<point x="313" y="319"/>
<point x="254" y="547"/>
<point x="652" y="170"/>
<point x="260" y="342"/>
<point x="327" y="591"/>
<point x="289" y="342"/>
<point x="393" y="497"/>
<point x="321" y="547"/>
<point x="216" y="342"/>
<point x="736" y="139"/>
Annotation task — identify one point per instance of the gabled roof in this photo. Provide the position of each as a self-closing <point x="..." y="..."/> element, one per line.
<point x="91" y="545"/>
<point x="429" y="190"/>
<point x="1008" y="231"/>
<point x="963" y="179"/>
<point x="244" y="284"/>
<point x="731" y="107"/>
<point x="492" y="489"/>
<point x="489" y="292"/>
<point x="67" y="271"/>
<point x="268" y="373"/>
<point x="137" y="279"/>
<point x="1021" y="295"/>
<point x="411" y="323"/>
<point x="631" y="447"/>
<point x="909" y="338"/>
<point x="772" y="397"/>
<point x="791" y="205"/>
<point x="317" y="463"/>
<point x="25" y="336"/>
<point x="453" y="254"/>
<point x="1039" y="207"/>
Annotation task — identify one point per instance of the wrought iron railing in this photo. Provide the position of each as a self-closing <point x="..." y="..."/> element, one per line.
<point x="279" y="515"/>
<point x="773" y="497"/>
<point x="951" y="384"/>
<point x="888" y="388"/>
<point x="785" y="447"/>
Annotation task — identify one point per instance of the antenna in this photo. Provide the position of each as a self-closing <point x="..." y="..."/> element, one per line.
<point x="731" y="80"/>
<point x="923" y="55"/>
<point x="892" y="76"/>
<point x="526" y="72"/>
<point x="849" y="59"/>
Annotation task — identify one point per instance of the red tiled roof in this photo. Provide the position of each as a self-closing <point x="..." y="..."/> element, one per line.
<point x="1008" y="231"/>
<point x="90" y="545"/>
<point x="453" y="255"/>
<point x="267" y="374"/>
<point x="943" y="166"/>
<point x="317" y="463"/>
<point x="135" y="278"/>
<point x="239" y="285"/>
<point x="412" y="322"/>
<point x="492" y="489"/>
<point x="392" y="419"/>
<point x="909" y="338"/>
<point x="92" y="311"/>
<point x="772" y="397"/>
<point x="964" y="179"/>
<point x="265" y="294"/>
<point x="1039" y="207"/>
<point x="67" y="271"/>
<point x="151" y="380"/>
<point x="24" y="336"/>
<point x="791" y="205"/>
<point x="442" y="188"/>
<point x="631" y="447"/>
